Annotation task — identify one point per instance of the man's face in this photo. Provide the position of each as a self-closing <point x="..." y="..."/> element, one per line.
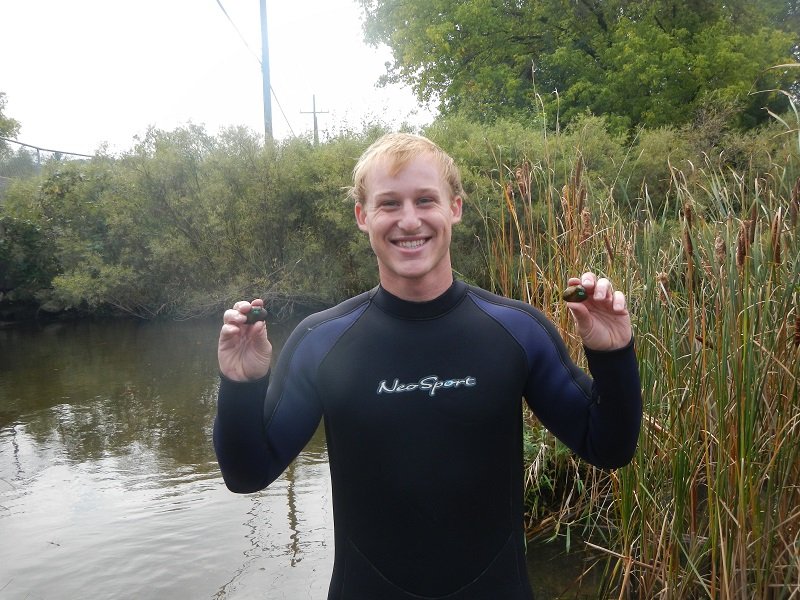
<point x="409" y="218"/>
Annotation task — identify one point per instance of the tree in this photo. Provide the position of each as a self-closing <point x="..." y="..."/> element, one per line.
<point x="8" y="126"/>
<point x="637" y="63"/>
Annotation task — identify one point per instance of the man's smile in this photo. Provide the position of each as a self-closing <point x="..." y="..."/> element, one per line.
<point x="410" y="244"/>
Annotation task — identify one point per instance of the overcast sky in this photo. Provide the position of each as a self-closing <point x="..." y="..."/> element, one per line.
<point x="80" y="73"/>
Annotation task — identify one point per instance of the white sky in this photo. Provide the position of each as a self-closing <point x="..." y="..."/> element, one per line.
<point x="82" y="72"/>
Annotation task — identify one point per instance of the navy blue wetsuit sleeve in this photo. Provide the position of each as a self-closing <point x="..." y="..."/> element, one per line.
<point x="239" y="440"/>
<point x="262" y="426"/>
<point x="617" y="383"/>
<point x="597" y="417"/>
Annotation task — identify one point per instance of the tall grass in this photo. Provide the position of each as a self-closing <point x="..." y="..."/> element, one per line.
<point x="710" y="506"/>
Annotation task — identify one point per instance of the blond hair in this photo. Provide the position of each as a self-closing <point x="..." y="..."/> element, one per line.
<point x="397" y="149"/>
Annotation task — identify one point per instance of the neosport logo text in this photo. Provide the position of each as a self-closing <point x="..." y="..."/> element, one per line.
<point x="430" y="384"/>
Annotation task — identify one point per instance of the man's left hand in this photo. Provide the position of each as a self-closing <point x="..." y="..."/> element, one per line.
<point x="602" y="320"/>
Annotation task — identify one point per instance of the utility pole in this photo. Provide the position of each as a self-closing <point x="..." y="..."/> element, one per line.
<point x="265" y="73"/>
<point x="315" y="112"/>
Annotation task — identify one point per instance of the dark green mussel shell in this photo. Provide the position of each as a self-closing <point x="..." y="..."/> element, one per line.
<point x="256" y="314"/>
<point x="575" y="293"/>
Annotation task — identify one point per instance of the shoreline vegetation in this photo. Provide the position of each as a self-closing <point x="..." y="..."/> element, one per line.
<point x="698" y="225"/>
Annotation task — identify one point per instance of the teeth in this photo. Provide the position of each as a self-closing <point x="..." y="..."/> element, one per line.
<point x="411" y="244"/>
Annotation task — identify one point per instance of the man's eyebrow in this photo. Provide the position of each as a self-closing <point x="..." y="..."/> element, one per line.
<point x="417" y="192"/>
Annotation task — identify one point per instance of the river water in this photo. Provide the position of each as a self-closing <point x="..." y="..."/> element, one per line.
<point x="109" y="487"/>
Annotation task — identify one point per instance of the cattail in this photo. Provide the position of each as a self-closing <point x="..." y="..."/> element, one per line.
<point x="742" y="244"/>
<point x="720" y="250"/>
<point x="581" y="199"/>
<point x="794" y="207"/>
<point x="687" y="243"/>
<point x="687" y="214"/>
<point x="522" y="175"/>
<point x="509" y="190"/>
<point x="609" y="249"/>
<point x="586" y="225"/>
<point x="565" y="207"/>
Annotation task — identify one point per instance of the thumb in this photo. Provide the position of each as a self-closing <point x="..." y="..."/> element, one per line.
<point x="582" y="319"/>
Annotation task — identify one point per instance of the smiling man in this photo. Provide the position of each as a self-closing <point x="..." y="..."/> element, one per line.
<point x="420" y="383"/>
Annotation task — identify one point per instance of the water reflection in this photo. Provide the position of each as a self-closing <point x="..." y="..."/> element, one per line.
<point x="109" y="487"/>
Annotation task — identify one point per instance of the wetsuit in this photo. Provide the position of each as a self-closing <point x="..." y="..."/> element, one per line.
<point x="422" y="411"/>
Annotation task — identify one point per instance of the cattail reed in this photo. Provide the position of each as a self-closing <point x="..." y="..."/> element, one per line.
<point x="742" y="243"/>
<point x="715" y="372"/>
<point x="523" y="175"/>
<point x="687" y="244"/>
<point x="720" y="250"/>
<point x="586" y="224"/>
<point x="609" y="248"/>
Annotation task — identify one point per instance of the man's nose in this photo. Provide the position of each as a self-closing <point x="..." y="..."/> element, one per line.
<point x="409" y="219"/>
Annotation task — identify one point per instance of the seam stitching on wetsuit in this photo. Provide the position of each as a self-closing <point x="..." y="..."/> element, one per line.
<point x="556" y="343"/>
<point x="306" y="332"/>
<point x="449" y="595"/>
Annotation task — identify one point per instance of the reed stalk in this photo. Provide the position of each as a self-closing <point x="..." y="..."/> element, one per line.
<point x="710" y="506"/>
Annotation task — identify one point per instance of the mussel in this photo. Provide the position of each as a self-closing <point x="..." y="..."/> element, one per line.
<point x="575" y="293"/>
<point x="256" y="314"/>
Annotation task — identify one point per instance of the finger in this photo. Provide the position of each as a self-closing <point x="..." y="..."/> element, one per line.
<point x="588" y="280"/>
<point x="233" y="316"/>
<point x="619" y="302"/>
<point x="580" y="315"/>
<point x="603" y="289"/>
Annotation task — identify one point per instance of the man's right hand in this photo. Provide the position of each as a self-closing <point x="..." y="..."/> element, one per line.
<point x="244" y="351"/>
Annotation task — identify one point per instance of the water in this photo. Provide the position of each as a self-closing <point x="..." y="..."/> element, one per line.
<point x="109" y="487"/>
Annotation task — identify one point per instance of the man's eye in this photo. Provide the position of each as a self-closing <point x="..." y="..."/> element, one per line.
<point x="426" y="200"/>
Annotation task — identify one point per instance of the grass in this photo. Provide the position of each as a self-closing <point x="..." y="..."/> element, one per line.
<point x="710" y="506"/>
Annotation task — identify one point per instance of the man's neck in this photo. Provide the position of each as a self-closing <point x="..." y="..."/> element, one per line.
<point x="416" y="291"/>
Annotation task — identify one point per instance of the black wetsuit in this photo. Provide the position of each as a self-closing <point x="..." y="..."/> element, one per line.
<point x="422" y="412"/>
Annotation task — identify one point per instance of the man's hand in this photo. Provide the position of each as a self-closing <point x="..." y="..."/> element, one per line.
<point x="602" y="320"/>
<point x="244" y="351"/>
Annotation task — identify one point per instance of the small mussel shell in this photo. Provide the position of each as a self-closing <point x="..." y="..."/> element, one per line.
<point x="256" y="314"/>
<point x="575" y="293"/>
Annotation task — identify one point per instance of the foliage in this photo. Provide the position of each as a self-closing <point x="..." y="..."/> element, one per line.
<point x="185" y="222"/>
<point x="709" y="507"/>
<point x="637" y="63"/>
<point x="8" y="126"/>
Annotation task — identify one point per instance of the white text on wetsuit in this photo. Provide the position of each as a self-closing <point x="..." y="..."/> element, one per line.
<point x="430" y="384"/>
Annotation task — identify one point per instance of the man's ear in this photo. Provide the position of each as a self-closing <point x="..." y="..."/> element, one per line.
<point x="456" y="206"/>
<point x="361" y="216"/>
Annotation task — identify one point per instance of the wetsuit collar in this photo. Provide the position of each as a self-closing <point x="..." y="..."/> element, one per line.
<point x="430" y="309"/>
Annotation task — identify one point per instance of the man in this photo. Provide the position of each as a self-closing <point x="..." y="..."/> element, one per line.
<point x="420" y="383"/>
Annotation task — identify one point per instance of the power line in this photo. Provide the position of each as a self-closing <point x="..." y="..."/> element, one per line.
<point x="258" y="58"/>
<point x="241" y="37"/>
<point x="40" y="149"/>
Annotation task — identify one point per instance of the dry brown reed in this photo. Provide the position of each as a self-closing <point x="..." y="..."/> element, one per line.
<point x="710" y="507"/>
